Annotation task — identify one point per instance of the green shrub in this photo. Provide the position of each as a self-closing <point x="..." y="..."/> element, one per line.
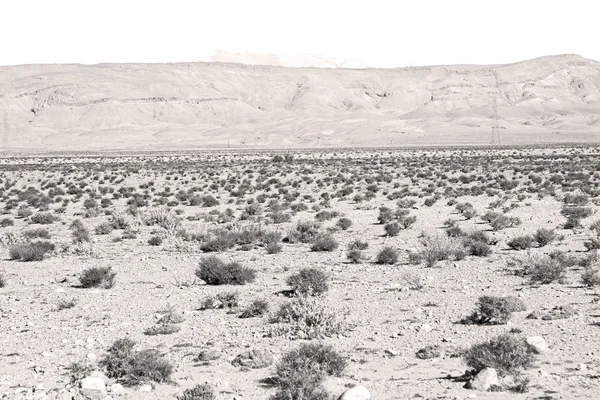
<point x="544" y="236"/>
<point x="308" y="281"/>
<point x="521" y="242"/>
<point x="155" y="241"/>
<point x="132" y="367"/>
<point x="324" y="243"/>
<point x="97" y="277"/>
<point x="344" y="223"/>
<point x="307" y="318"/>
<point x="301" y="372"/>
<point x="355" y="256"/>
<point x="104" y="228"/>
<point x="304" y="232"/>
<point x="198" y="392"/>
<point x="387" y="255"/>
<point x="494" y="310"/>
<point x="30" y="251"/>
<point x="591" y="276"/>
<point x="39" y="233"/>
<point x="213" y="271"/>
<point x="2" y="281"/>
<point x="6" y="222"/>
<point x="255" y="309"/>
<point x="392" y="229"/>
<point x="506" y="354"/>
<point x="43" y="218"/>
<point x="358" y="245"/>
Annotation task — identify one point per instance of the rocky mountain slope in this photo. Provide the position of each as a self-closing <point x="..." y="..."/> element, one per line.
<point x="203" y="105"/>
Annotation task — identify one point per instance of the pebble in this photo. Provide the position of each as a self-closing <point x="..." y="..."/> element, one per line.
<point x="485" y="379"/>
<point x="93" y="388"/>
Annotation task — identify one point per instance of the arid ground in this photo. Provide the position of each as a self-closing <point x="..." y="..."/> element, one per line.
<point x="401" y="260"/>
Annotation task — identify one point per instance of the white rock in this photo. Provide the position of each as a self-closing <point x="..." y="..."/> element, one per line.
<point x="146" y="388"/>
<point x="117" y="388"/>
<point x="485" y="379"/>
<point x="426" y="328"/>
<point x="537" y="344"/>
<point x="93" y="388"/>
<point x="356" y="393"/>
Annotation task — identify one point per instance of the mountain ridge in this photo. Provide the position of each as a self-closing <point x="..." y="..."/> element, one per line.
<point x="549" y="99"/>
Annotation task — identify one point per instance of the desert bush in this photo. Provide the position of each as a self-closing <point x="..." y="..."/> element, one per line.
<point x="429" y="352"/>
<point x="438" y="248"/>
<point x="324" y="243"/>
<point x="2" y="281"/>
<point x="104" y="228"/>
<point x="455" y="231"/>
<point x="198" y="392"/>
<point x="308" y="281"/>
<point x="595" y="227"/>
<point x="344" y="223"/>
<point x="30" y="251"/>
<point x="6" y="222"/>
<point x="387" y="255"/>
<point x="255" y="309"/>
<point x="494" y="310"/>
<point x="591" y="276"/>
<point x="43" y="219"/>
<point x="355" y="256"/>
<point x="392" y="229"/>
<point x="219" y="241"/>
<point x="358" y="245"/>
<point x="544" y="237"/>
<point x="79" y="232"/>
<point x="543" y="269"/>
<point x="503" y="222"/>
<point x="221" y="300"/>
<point x="300" y="373"/>
<point x="576" y="212"/>
<point x="506" y="354"/>
<point x="97" y="277"/>
<point x="307" y="317"/>
<point x="133" y="367"/>
<point x="273" y="247"/>
<point x="162" y="329"/>
<point x="213" y="271"/>
<point x="304" y="232"/>
<point x="521" y="242"/>
<point x="592" y="244"/>
<point x="155" y="240"/>
<point x="39" y="233"/>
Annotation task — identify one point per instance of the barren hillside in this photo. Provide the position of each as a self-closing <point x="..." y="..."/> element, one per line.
<point x="201" y="105"/>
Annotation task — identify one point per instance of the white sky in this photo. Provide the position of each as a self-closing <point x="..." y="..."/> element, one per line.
<point x="382" y="33"/>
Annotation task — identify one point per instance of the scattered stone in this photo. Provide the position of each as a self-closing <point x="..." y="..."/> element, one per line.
<point x="426" y="328"/>
<point x="253" y="359"/>
<point x="356" y="393"/>
<point x="93" y="388"/>
<point x="117" y="388"/>
<point x="485" y="379"/>
<point x="392" y="352"/>
<point x="537" y="344"/>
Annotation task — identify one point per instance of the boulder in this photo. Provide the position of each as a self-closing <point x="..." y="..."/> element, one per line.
<point x="93" y="388"/>
<point x="537" y="344"/>
<point x="356" y="393"/>
<point x="485" y="379"/>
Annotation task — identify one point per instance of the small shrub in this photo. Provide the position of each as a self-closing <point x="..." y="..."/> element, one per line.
<point x="104" y="228"/>
<point x="324" y="243"/>
<point x="155" y="241"/>
<point x="198" y="392"/>
<point x="503" y="222"/>
<point x="97" y="277"/>
<point x="308" y="281"/>
<point x="494" y="310"/>
<point x="43" y="218"/>
<point x="506" y="354"/>
<point x="592" y="244"/>
<point x="6" y="222"/>
<point x="304" y="232"/>
<point x="273" y="247"/>
<point x="2" y="281"/>
<point x="544" y="237"/>
<point x="355" y="256"/>
<point x="40" y="233"/>
<point x="132" y="367"/>
<point x="256" y="309"/>
<point x="213" y="271"/>
<point x="591" y="276"/>
<point x="521" y="242"/>
<point x="30" y="251"/>
<point x="429" y="352"/>
<point x="392" y="229"/>
<point x="79" y="232"/>
<point x="307" y="318"/>
<point x="358" y="245"/>
<point x="301" y="372"/>
<point x="387" y="255"/>
<point x="344" y="223"/>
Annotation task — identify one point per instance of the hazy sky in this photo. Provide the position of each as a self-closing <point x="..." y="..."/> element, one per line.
<point x="380" y="33"/>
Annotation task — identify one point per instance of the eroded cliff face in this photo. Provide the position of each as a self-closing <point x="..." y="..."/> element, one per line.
<point x="200" y="105"/>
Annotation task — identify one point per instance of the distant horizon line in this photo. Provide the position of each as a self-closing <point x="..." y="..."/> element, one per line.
<point x="233" y="62"/>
